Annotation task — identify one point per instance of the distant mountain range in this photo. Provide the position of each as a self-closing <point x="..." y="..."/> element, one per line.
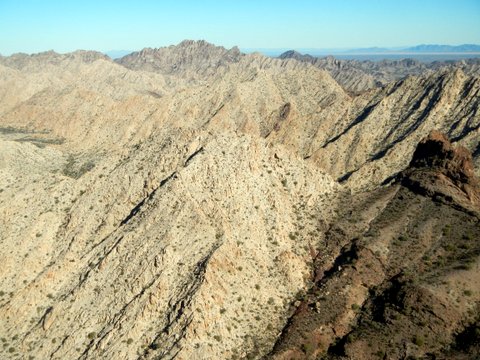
<point x="424" y="48"/>
<point x="417" y="49"/>
<point x="445" y="48"/>
<point x="116" y="54"/>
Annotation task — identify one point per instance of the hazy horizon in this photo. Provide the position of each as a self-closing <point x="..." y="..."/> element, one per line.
<point x="34" y="26"/>
<point x="389" y="52"/>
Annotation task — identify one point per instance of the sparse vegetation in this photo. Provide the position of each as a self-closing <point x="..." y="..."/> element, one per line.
<point x="307" y="348"/>
<point x="159" y="245"/>
<point x="75" y="169"/>
<point x="418" y="340"/>
<point x="41" y="142"/>
<point x="12" y="130"/>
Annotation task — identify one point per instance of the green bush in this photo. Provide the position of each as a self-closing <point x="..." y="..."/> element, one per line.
<point x="307" y="348"/>
<point x="418" y="340"/>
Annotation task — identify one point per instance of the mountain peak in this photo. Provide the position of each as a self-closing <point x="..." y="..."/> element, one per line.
<point x="293" y="54"/>
<point x="204" y="45"/>
<point x="192" y="58"/>
<point x="195" y="43"/>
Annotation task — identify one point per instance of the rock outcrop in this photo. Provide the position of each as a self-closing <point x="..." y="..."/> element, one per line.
<point x="441" y="170"/>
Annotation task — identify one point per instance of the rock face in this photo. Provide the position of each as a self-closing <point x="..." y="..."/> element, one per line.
<point x="185" y="202"/>
<point x="438" y="168"/>
<point x="436" y="152"/>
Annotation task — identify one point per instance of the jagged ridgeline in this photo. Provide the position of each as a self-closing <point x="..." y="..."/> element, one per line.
<point x="195" y="202"/>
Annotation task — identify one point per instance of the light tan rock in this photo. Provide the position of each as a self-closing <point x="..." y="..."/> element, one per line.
<point x="173" y="213"/>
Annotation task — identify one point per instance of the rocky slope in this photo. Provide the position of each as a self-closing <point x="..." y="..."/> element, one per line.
<point x="400" y="277"/>
<point x="395" y="119"/>
<point x="133" y="257"/>
<point x="360" y="140"/>
<point x="175" y="203"/>
<point x="358" y="76"/>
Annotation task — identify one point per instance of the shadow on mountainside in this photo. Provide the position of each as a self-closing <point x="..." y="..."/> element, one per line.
<point x="398" y="277"/>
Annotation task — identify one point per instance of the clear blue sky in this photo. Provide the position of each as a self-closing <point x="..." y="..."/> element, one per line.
<point x="66" y="25"/>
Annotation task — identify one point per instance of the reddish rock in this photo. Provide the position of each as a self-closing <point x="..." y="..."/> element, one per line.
<point x="436" y="151"/>
<point x="441" y="170"/>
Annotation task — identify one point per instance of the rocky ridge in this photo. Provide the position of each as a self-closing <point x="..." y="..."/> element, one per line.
<point x="27" y="62"/>
<point x="162" y="211"/>
<point x="324" y="124"/>
<point x="359" y="76"/>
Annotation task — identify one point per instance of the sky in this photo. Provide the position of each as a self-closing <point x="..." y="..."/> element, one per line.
<point x="67" y="25"/>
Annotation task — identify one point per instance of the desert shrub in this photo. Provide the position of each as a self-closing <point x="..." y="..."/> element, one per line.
<point x="307" y="348"/>
<point x="75" y="170"/>
<point x="418" y="340"/>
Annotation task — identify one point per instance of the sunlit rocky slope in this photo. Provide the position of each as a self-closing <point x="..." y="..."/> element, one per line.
<point x="358" y="76"/>
<point x="181" y="202"/>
